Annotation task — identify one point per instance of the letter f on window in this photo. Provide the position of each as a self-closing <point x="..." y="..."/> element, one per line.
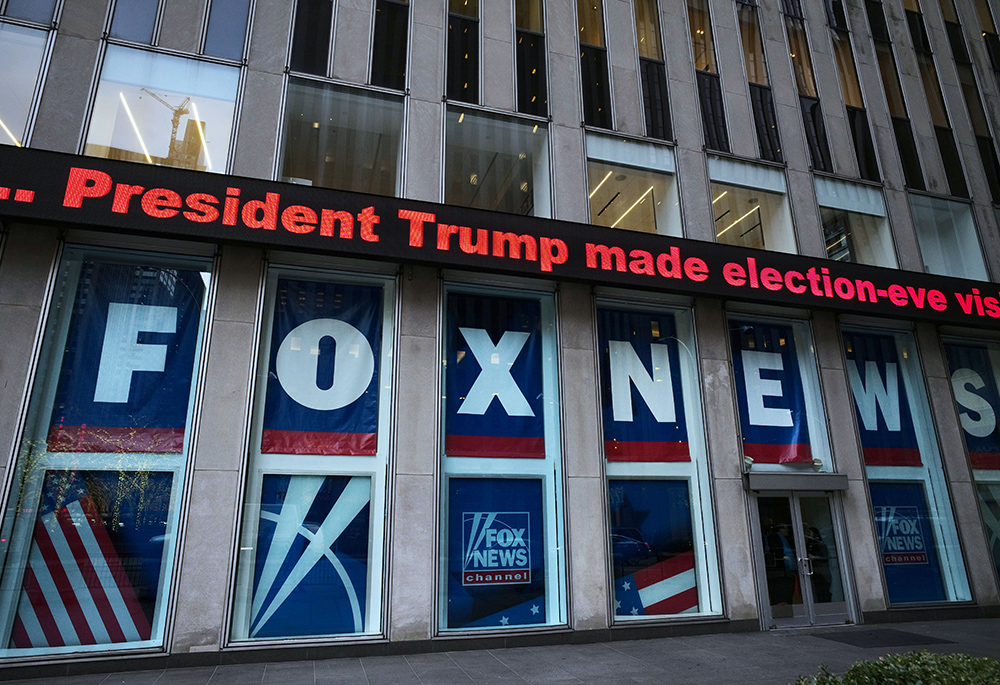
<point x="122" y="354"/>
<point x="495" y="380"/>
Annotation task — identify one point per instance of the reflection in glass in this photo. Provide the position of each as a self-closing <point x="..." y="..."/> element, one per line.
<point x="134" y="20"/>
<point x="162" y="109"/>
<point x="227" y="28"/>
<point x="700" y="22"/>
<point x="752" y="218"/>
<point x="339" y="138"/>
<point x="494" y="162"/>
<point x="590" y="15"/>
<point x="633" y="199"/>
<point x="856" y="237"/>
<point x="21" y="53"/>
<point x="946" y="232"/>
<point x="89" y="536"/>
<point x="31" y="10"/>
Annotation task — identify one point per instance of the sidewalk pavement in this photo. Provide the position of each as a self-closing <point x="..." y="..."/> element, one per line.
<point x="772" y="658"/>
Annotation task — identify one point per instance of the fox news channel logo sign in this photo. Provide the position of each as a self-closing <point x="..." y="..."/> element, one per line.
<point x="901" y="535"/>
<point x="495" y="548"/>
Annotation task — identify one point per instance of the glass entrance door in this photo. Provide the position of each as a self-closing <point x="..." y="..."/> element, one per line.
<point x="801" y="561"/>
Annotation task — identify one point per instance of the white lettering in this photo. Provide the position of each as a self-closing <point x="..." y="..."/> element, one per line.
<point x="122" y="355"/>
<point x="963" y="382"/>
<point x="758" y="388"/>
<point x="495" y="380"/>
<point x="871" y="395"/>
<point x="655" y="389"/>
<point x="297" y="364"/>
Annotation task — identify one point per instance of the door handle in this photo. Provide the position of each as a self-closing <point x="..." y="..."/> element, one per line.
<point x="806" y="566"/>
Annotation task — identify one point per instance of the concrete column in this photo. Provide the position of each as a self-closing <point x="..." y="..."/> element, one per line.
<point x="586" y="496"/>
<point x="414" y="535"/>
<point x="260" y="123"/>
<point x="65" y="96"/>
<point x="181" y="25"/>
<point x="964" y="500"/>
<point x="729" y="53"/>
<point x="219" y="453"/>
<point x="861" y="564"/>
<point x="352" y="40"/>
<point x="725" y="462"/>
<point x="497" y="59"/>
<point x="568" y="148"/>
<point x="620" y="39"/>
<point x="424" y="161"/>
<point x="28" y="258"/>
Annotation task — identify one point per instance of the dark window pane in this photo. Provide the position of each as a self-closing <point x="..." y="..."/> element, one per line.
<point x="134" y="20"/>
<point x="812" y="119"/>
<point x="654" y="99"/>
<point x="463" y="59"/>
<point x="993" y="48"/>
<point x="531" y="85"/>
<point x="311" y="39"/>
<point x="792" y="8"/>
<point x="957" y="40"/>
<point x="921" y="43"/>
<point x="876" y="19"/>
<point x="31" y="10"/>
<point x="713" y="113"/>
<point x="227" y="28"/>
<point x="389" y="44"/>
<point x="908" y="153"/>
<point x="952" y="162"/>
<point x="766" y="123"/>
<point x="988" y="153"/>
<point x="596" y="92"/>
<point x="864" y="148"/>
<point x="836" y="15"/>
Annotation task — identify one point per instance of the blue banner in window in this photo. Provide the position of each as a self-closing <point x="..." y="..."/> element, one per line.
<point x="95" y="561"/>
<point x="322" y="381"/>
<point x="493" y="378"/>
<point x="770" y="394"/>
<point x="974" y="382"/>
<point x="652" y="547"/>
<point x="906" y="541"/>
<point x="496" y="552"/>
<point x="881" y="406"/>
<point x="127" y="371"/>
<point x="641" y="397"/>
<point x="311" y="571"/>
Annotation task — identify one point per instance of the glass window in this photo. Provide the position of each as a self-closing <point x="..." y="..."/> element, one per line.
<point x="854" y="222"/>
<point x="311" y="36"/>
<point x="652" y="70"/>
<point x="713" y="111"/>
<point x="782" y="424"/>
<point x="21" y="52"/>
<point x="89" y="536"/>
<point x="134" y="20"/>
<point x="227" y="28"/>
<point x="389" y="43"/>
<point x="594" y="64"/>
<point x="632" y="186"/>
<point x="975" y="382"/>
<point x="502" y="563"/>
<point x="339" y="138"/>
<point x="31" y="10"/>
<point x="463" y="51"/>
<point x="750" y="217"/>
<point x="314" y="521"/>
<point x="947" y="235"/>
<point x="162" y="109"/>
<point x="920" y="552"/>
<point x="700" y="22"/>
<point x="532" y="87"/>
<point x="661" y="531"/>
<point x="494" y="162"/>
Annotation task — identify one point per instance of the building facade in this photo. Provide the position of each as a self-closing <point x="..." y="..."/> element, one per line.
<point x="338" y="327"/>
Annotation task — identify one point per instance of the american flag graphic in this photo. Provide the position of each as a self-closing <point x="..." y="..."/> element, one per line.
<point x="666" y="587"/>
<point x="75" y="589"/>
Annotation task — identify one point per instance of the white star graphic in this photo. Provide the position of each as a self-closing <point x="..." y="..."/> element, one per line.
<point x="626" y="585"/>
<point x="618" y="604"/>
<point x="534" y="609"/>
<point x="504" y="620"/>
<point x="635" y="611"/>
